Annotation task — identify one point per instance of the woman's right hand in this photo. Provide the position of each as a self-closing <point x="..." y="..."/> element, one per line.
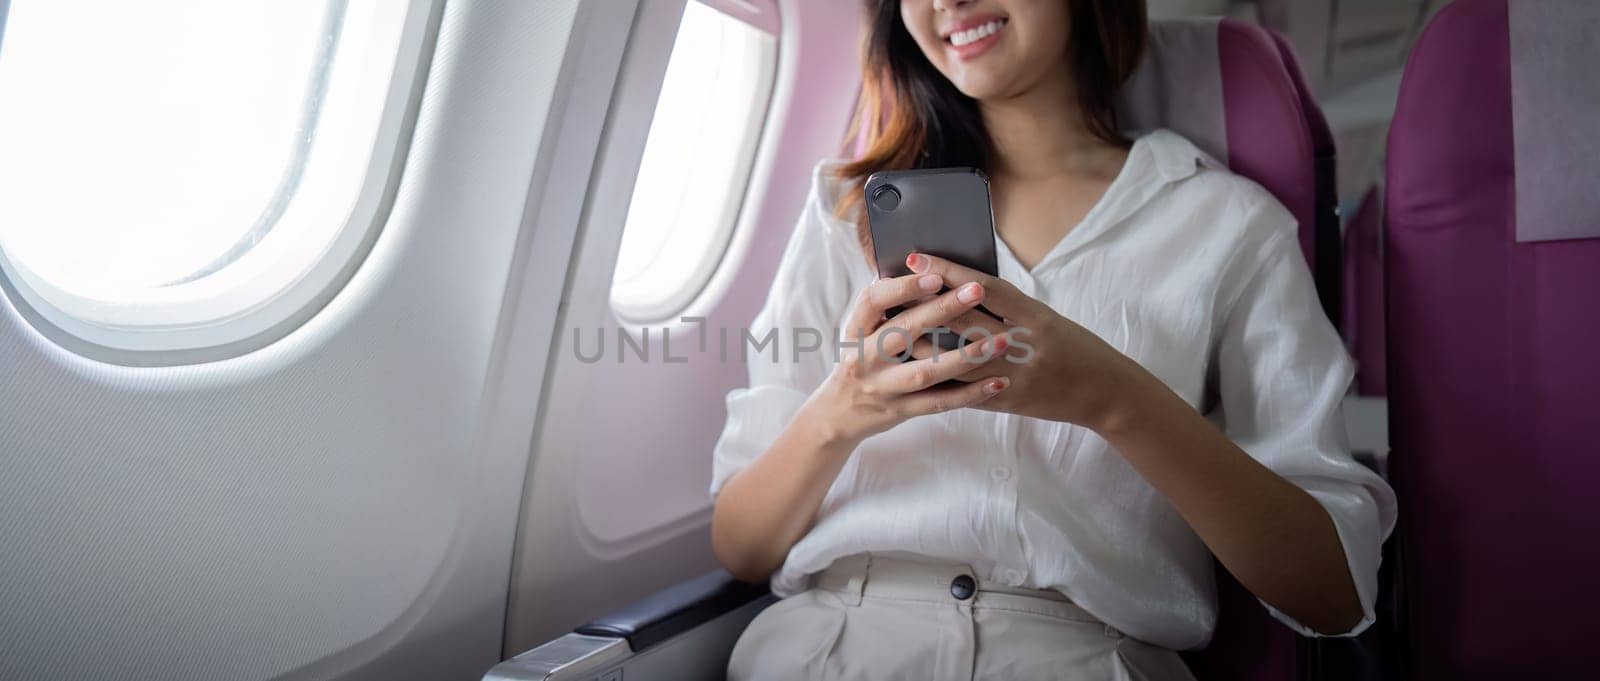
<point x="871" y="390"/>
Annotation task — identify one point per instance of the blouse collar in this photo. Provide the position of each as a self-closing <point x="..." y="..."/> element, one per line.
<point x="1157" y="160"/>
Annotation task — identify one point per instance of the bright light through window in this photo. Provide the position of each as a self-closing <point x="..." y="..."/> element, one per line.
<point x="149" y="136"/>
<point x="696" y="163"/>
<point x="182" y="163"/>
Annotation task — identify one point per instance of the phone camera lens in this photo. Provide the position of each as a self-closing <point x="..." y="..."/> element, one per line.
<point x="886" y="198"/>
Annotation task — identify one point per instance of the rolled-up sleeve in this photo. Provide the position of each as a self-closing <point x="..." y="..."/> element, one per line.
<point x="809" y="296"/>
<point x="1282" y="374"/>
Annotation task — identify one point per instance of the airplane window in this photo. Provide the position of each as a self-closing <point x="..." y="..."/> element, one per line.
<point x="696" y="163"/>
<point x="169" y="168"/>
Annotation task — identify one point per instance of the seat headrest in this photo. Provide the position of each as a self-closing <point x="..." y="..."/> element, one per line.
<point x="1555" y="94"/>
<point x="1179" y="86"/>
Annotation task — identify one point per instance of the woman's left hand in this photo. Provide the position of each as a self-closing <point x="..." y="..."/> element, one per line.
<point x="1059" y="370"/>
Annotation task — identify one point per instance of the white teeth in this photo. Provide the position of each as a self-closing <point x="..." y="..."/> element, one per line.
<point x="973" y="35"/>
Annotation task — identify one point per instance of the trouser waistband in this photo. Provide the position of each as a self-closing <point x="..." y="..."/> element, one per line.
<point x="870" y="576"/>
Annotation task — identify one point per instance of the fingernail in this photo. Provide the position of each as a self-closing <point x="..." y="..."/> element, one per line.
<point x="997" y="344"/>
<point x="916" y="262"/>
<point x="996" y="385"/>
<point x="970" y="293"/>
<point x="929" y="282"/>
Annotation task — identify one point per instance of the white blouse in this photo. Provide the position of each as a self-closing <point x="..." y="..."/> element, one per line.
<point x="1192" y="271"/>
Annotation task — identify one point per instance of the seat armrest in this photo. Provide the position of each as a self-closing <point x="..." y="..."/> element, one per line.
<point x="685" y="631"/>
<point x="675" y="609"/>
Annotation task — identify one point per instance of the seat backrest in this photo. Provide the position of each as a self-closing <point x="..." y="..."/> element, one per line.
<point x="1492" y="250"/>
<point x="1235" y="90"/>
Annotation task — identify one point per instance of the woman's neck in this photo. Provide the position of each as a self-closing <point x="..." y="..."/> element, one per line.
<point x="1038" y="134"/>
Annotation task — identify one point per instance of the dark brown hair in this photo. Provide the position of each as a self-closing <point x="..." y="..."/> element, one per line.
<point x="911" y="116"/>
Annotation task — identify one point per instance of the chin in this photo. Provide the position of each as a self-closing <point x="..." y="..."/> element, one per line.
<point x="982" y="85"/>
<point x="992" y="77"/>
<point x="984" y="89"/>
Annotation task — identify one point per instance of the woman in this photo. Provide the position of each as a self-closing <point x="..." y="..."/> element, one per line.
<point x="1058" y="516"/>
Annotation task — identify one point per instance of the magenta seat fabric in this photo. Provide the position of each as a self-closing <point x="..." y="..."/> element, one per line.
<point x="1270" y="138"/>
<point x="1494" y="375"/>
<point x="1363" y="295"/>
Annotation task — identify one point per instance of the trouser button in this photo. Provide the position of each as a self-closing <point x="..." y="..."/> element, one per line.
<point x="962" y="587"/>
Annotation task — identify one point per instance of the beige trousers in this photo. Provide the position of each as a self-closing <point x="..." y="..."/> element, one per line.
<point x="870" y="617"/>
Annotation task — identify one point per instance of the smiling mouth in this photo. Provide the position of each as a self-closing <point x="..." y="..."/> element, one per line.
<point x="976" y="33"/>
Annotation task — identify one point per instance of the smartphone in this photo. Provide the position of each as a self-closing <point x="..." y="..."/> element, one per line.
<point x="943" y="212"/>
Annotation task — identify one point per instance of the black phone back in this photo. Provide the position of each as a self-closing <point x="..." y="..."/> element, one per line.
<point x="941" y="211"/>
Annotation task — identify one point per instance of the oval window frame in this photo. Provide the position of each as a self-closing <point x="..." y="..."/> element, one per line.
<point x="220" y="326"/>
<point x="764" y="18"/>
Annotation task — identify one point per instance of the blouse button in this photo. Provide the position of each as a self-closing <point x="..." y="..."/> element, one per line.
<point x="1000" y="473"/>
<point x="962" y="587"/>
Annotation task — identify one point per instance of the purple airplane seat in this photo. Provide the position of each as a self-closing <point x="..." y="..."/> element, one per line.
<point x="1492" y="249"/>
